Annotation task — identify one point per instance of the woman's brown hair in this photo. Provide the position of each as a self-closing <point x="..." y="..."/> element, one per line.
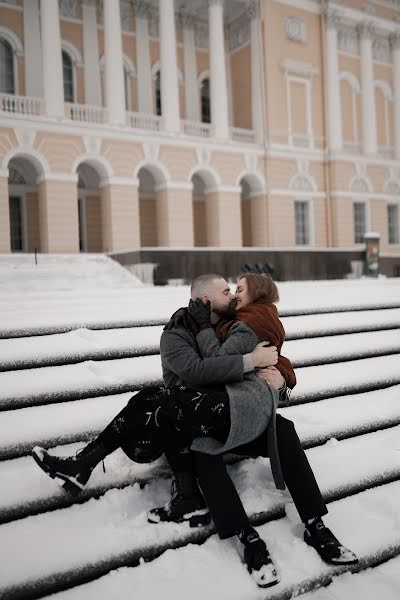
<point x="260" y="285"/>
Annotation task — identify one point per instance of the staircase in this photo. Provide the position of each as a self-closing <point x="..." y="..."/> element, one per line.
<point x="62" y="380"/>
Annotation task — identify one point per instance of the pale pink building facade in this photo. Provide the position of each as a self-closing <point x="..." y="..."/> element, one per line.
<point x="195" y="123"/>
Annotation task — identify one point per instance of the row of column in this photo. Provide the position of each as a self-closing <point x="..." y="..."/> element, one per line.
<point x="369" y="132"/>
<point x="119" y="206"/>
<point x="48" y="30"/>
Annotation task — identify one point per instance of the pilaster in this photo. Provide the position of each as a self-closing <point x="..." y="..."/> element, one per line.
<point x="120" y="216"/>
<point x="58" y="216"/>
<point x="5" y="242"/>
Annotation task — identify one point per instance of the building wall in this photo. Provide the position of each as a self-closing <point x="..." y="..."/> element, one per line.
<point x="288" y="168"/>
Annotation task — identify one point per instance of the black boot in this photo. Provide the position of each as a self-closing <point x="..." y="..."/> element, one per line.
<point x="326" y="544"/>
<point x="186" y="504"/>
<point x="71" y="472"/>
<point x="257" y="559"/>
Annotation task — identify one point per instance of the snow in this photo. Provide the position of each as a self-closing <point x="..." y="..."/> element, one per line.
<point x="355" y="324"/>
<point x="213" y="570"/>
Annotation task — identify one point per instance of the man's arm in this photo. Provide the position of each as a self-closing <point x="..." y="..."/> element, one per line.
<point x="182" y="359"/>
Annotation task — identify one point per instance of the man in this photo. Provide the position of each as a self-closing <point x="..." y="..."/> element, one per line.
<point x="183" y="365"/>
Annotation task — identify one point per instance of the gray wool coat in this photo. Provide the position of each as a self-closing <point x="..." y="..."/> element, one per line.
<point x="203" y="363"/>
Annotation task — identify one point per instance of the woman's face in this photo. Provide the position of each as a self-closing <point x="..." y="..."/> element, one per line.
<point x="242" y="294"/>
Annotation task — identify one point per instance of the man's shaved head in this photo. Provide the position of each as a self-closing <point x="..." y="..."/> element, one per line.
<point x="203" y="285"/>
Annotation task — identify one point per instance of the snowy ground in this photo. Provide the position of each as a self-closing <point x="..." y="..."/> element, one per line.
<point x="344" y="337"/>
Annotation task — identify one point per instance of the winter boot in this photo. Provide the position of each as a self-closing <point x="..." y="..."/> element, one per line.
<point x="328" y="547"/>
<point x="186" y="504"/>
<point x="257" y="559"/>
<point x="71" y="472"/>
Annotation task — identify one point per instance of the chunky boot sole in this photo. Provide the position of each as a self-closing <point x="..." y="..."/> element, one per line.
<point x="198" y="518"/>
<point x="67" y="482"/>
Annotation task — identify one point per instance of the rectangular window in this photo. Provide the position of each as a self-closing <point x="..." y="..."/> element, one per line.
<point x="393" y="223"/>
<point x="302" y="223"/>
<point x="360" y="222"/>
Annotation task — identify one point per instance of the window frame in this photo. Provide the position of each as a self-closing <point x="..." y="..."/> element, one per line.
<point x="397" y="222"/>
<point x="73" y="72"/>
<point x="363" y="203"/>
<point x="7" y="42"/>
<point x="309" y="221"/>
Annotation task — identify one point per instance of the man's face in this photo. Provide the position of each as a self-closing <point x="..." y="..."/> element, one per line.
<point x="223" y="303"/>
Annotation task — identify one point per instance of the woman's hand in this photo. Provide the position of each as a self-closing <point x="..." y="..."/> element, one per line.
<point x="272" y="376"/>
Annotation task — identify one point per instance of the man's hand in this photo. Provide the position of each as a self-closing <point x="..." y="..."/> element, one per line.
<point x="200" y="313"/>
<point x="272" y="376"/>
<point x="264" y="355"/>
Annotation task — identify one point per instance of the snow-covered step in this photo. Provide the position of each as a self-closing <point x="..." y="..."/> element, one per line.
<point x="26" y="491"/>
<point x="79" y="420"/>
<point x="47" y="311"/>
<point x="88" y="540"/>
<point x="383" y="581"/>
<point x="213" y="570"/>
<point x="88" y="344"/>
<point x="96" y="378"/>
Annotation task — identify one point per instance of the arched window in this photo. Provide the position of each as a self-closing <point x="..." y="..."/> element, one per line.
<point x="68" y="77"/>
<point x="205" y="101"/>
<point x="158" y="93"/>
<point x="7" y="79"/>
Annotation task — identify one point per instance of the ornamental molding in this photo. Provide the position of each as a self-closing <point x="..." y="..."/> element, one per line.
<point x="126" y="14"/>
<point x="15" y="177"/>
<point x="187" y="19"/>
<point x="143" y="9"/>
<point x="239" y="33"/>
<point x="302" y="183"/>
<point x="360" y="185"/>
<point x="25" y="137"/>
<point x="381" y="50"/>
<point x="296" y="67"/>
<point x="68" y="8"/>
<point x="348" y="41"/>
<point x="201" y="35"/>
<point x="366" y="30"/>
<point x="332" y="18"/>
<point x="253" y="9"/>
<point x="394" y="40"/>
<point x="295" y="29"/>
<point x="392" y="187"/>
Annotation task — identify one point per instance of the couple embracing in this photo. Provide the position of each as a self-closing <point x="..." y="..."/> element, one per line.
<point x="224" y="374"/>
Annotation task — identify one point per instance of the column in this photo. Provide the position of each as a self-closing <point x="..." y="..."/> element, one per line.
<point x="366" y="33"/>
<point x="58" y="215"/>
<point x="257" y="96"/>
<point x="395" y="42"/>
<point x="258" y="219"/>
<point x="223" y="217"/>
<point x="175" y="215"/>
<point x="114" y="68"/>
<point x="53" y="84"/>
<point x="333" y="100"/>
<point x="144" y="86"/>
<point x="5" y="242"/>
<point x="91" y="54"/>
<point x="219" y="94"/>
<point x="32" y="50"/>
<point x="120" y="214"/>
<point x="169" y="69"/>
<point x="192" y="95"/>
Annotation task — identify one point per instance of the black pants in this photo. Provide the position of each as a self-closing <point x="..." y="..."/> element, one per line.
<point x="168" y="420"/>
<point x="221" y="495"/>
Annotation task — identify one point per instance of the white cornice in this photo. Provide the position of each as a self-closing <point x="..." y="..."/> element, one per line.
<point x="59" y="177"/>
<point x="311" y="6"/>
<point x="126" y="181"/>
<point x="174" y="185"/>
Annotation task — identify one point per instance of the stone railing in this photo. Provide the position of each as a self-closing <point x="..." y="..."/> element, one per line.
<point x="23" y="105"/>
<point x="385" y="151"/>
<point x="244" y="136"/>
<point x="351" y="147"/>
<point x="197" y="129"/>
<point x="85" y="113"/>
<point x="302" y="140"/>
<point x="144" y="121"/>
